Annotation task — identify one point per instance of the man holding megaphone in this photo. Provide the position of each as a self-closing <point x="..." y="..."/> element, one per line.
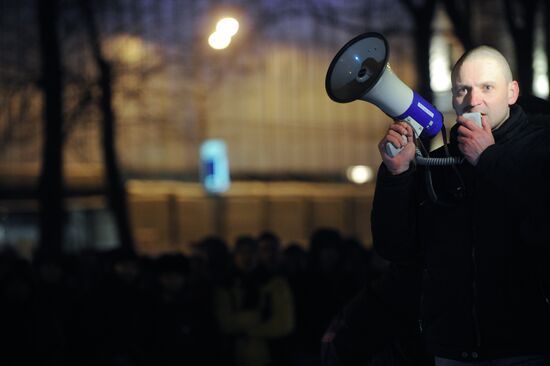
<point x="478" y="226"/>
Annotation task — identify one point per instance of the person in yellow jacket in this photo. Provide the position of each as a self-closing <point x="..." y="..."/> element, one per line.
<point x="254" y="309"/>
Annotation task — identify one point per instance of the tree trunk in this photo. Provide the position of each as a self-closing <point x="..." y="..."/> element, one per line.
<point x="116" y="191"/>
<point x="459" y="12"/>
<point x="423" y="16"/>
<point x="520" y="17"/>
<point x="51" y="175"/>
<point x="422" y="42"/>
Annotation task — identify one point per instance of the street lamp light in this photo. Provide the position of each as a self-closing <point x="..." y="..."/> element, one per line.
<point x="229" y="26"/>
<point x="359" y="174"/>
<point x="225" y="29"/>
<point x="219" y="41"/>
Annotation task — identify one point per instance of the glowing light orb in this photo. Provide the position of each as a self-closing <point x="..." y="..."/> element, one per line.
<point x="359" y="174"/>
<point x="219" y="41"/>
<point x="228" y="26"/>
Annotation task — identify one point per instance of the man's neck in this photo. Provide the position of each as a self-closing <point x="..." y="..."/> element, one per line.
<point x="502" y="122"/>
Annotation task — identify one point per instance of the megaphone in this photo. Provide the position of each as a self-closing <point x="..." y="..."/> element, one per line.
<point x="360" y="71"/>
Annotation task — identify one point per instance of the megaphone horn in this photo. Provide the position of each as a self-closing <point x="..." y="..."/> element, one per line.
<point x="360" y="71"/>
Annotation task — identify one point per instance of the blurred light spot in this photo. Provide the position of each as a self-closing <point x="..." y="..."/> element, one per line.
<point x="359" y="174"/>
<point x="540" y="75"/>
<point x="128" y="49"/>
<point x="215" y="166"/>
<point x="228" y="26"/>
<point x="219" y="40"/>
<point x="440" y="65"/>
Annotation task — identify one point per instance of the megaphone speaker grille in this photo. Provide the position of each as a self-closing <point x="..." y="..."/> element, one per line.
<point x="357" y="67"/>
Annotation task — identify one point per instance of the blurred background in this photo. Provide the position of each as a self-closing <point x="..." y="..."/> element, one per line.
<point x="176" y="188"/>
<point x="105" y="105"/>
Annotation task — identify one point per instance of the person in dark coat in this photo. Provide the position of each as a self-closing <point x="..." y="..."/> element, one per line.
<point x="479" y="226"/>
<point x="378" y="327"/>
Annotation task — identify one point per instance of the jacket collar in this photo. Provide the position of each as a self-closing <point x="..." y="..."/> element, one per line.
<point x="515" y="123"/>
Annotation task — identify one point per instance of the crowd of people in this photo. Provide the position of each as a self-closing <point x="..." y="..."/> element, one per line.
<point x="253" y="302"/>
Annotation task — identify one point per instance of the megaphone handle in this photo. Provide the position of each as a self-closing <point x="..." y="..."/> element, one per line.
<point x="391" y="150"/>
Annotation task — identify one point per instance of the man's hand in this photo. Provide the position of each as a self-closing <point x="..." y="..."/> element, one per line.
<point x="401" y="162"/>
<point x="472" y="139"/>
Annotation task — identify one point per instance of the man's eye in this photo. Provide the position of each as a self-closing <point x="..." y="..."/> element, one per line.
<point x="488" y="87"/>
<point x="461" y="91"/>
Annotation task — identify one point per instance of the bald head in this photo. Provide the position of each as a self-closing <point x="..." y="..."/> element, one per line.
<point x="482" y="82"/>
<point x="484" y="53"/>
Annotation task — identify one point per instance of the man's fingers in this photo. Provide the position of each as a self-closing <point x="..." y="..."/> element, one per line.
<point x="466" y="123"/>
<point x="464" y="131"/>
<point x="399" y="128"/>
<point x="394" y="133"/>
<point x="395" y="139"/>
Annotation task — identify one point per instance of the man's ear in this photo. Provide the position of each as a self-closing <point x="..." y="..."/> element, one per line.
<point x="513" y="92"/>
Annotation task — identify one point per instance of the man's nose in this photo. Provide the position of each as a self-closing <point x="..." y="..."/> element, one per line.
<point x="475" y="97"/>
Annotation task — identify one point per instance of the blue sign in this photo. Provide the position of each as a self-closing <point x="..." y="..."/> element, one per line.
<point x="214" y="166"/>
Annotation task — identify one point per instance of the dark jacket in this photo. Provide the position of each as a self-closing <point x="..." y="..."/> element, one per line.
<point x="485" y="246"/>
<point x="379" y="325"/>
